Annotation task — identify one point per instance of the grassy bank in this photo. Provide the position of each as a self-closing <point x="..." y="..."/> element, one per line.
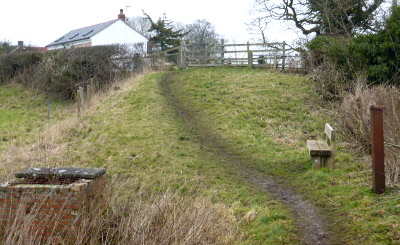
<point x="267" y="118"/>
<point x="136" y="135"/>
<point x="148" y="151"/>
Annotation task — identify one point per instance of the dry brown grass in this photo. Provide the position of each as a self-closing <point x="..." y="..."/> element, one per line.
<point x="354" y="114"/>
<point x="167" y="218"/>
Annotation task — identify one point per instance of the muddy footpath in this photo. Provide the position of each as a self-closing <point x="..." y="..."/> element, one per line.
<point x="312" y="226"/>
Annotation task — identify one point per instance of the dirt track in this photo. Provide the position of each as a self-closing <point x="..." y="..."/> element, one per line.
<point x="312" y="226"/>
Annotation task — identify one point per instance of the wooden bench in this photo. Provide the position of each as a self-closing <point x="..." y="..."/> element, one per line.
<point x="323" y="152"/>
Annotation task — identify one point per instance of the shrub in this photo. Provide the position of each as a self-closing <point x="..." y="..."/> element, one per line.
<point x="330" y="64"/>
<point x="376" y="55"/>
<point x="328" y="48"/>
<point x="18" y="64"/>
<point x="59" y="73"/>
<point x="63" y="71"/>
<point x="379" y="54"/>
<point x="354" y="115"/>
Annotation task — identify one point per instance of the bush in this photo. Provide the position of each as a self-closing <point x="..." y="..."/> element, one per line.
<point x="379" y="54"/>
<point x="328" y="48"/>
<point x="64" y="71"/>
<point x="354" y="115"/>
<point x="59" y="73"/>
<point x="329" y="63"/>
<point x="18" y="64"/>
<point x="375" y="55"/>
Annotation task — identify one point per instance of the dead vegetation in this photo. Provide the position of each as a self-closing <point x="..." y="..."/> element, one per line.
<point x="354" y="115"/>
<point x="167" y="218"/>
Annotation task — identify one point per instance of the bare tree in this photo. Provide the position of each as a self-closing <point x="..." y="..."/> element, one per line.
<point x="258" y="28"/>
<point x="201" y="32"/>
<point x="140" y="24"/>
<point x="202" y="35"/>
<point x="323" y="17"/>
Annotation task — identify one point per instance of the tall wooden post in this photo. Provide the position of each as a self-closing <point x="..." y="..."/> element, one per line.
<point x="378" y="154"/>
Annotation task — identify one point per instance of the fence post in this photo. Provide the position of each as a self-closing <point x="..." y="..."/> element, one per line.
<point x="82" y="98"/>
<point x="92" y="85"/>
<point x="283" y="55"/>
<point x="189" y="49"/>
<point x="206" y="53"/>
<point x="276" y="59"/>
<point x="48" y="110"/>
<point x="378" y="155"/>
<point x="78" y="103"/>
<point x="250" y="59"/>
<point x="222" y="51"/>
<point x="213" y="54"/>
<point x="88" y="94"/>
<point x="180" y="65"/>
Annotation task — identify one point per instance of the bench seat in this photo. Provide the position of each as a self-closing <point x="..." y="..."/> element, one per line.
<point x="323" y="152"/>
<point x="319" y="148"/>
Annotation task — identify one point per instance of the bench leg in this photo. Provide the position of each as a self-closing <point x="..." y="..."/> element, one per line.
<point x="317" y="162"/>
<point x="321" y="162"/>
<point x="330" y="160"/>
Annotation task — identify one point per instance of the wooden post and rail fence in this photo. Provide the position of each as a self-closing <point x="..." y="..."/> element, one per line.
<point x="257" y="55"/>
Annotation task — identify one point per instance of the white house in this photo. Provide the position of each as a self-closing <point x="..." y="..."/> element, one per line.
<point x="107" y="33"/>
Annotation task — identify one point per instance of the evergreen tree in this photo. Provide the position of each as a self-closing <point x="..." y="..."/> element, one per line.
<point x="163" y="33"/>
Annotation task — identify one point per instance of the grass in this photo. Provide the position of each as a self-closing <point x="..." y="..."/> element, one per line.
<point x="267" y="118"/>
<point x="23" y="113"/>
<point x="264" y="117"/>
<point x="138" y="138"/>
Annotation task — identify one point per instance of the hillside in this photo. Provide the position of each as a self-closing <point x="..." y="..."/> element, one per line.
<point x="228" y="142"/>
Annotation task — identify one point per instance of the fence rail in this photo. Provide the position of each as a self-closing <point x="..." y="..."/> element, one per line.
<point x="264" y="55"/>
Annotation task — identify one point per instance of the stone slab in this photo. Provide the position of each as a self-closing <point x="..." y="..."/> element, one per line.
<point x="84" y="173"/>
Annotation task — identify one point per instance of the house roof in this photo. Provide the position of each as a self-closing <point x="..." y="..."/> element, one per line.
<point x="82" y="33"/>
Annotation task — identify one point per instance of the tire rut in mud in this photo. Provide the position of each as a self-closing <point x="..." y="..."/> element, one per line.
<point x="312" y="226"/>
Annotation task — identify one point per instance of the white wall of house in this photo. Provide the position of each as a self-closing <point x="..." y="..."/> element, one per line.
<point x="119" y="33"/>
<point x="116" y="33"/>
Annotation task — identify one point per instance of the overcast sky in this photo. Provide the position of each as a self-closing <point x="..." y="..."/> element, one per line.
<point x="39" y="22"/>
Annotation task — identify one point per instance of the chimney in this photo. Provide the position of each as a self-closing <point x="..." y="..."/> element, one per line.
<point x="121" y="15"/>
<point x="20" y="45"/>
